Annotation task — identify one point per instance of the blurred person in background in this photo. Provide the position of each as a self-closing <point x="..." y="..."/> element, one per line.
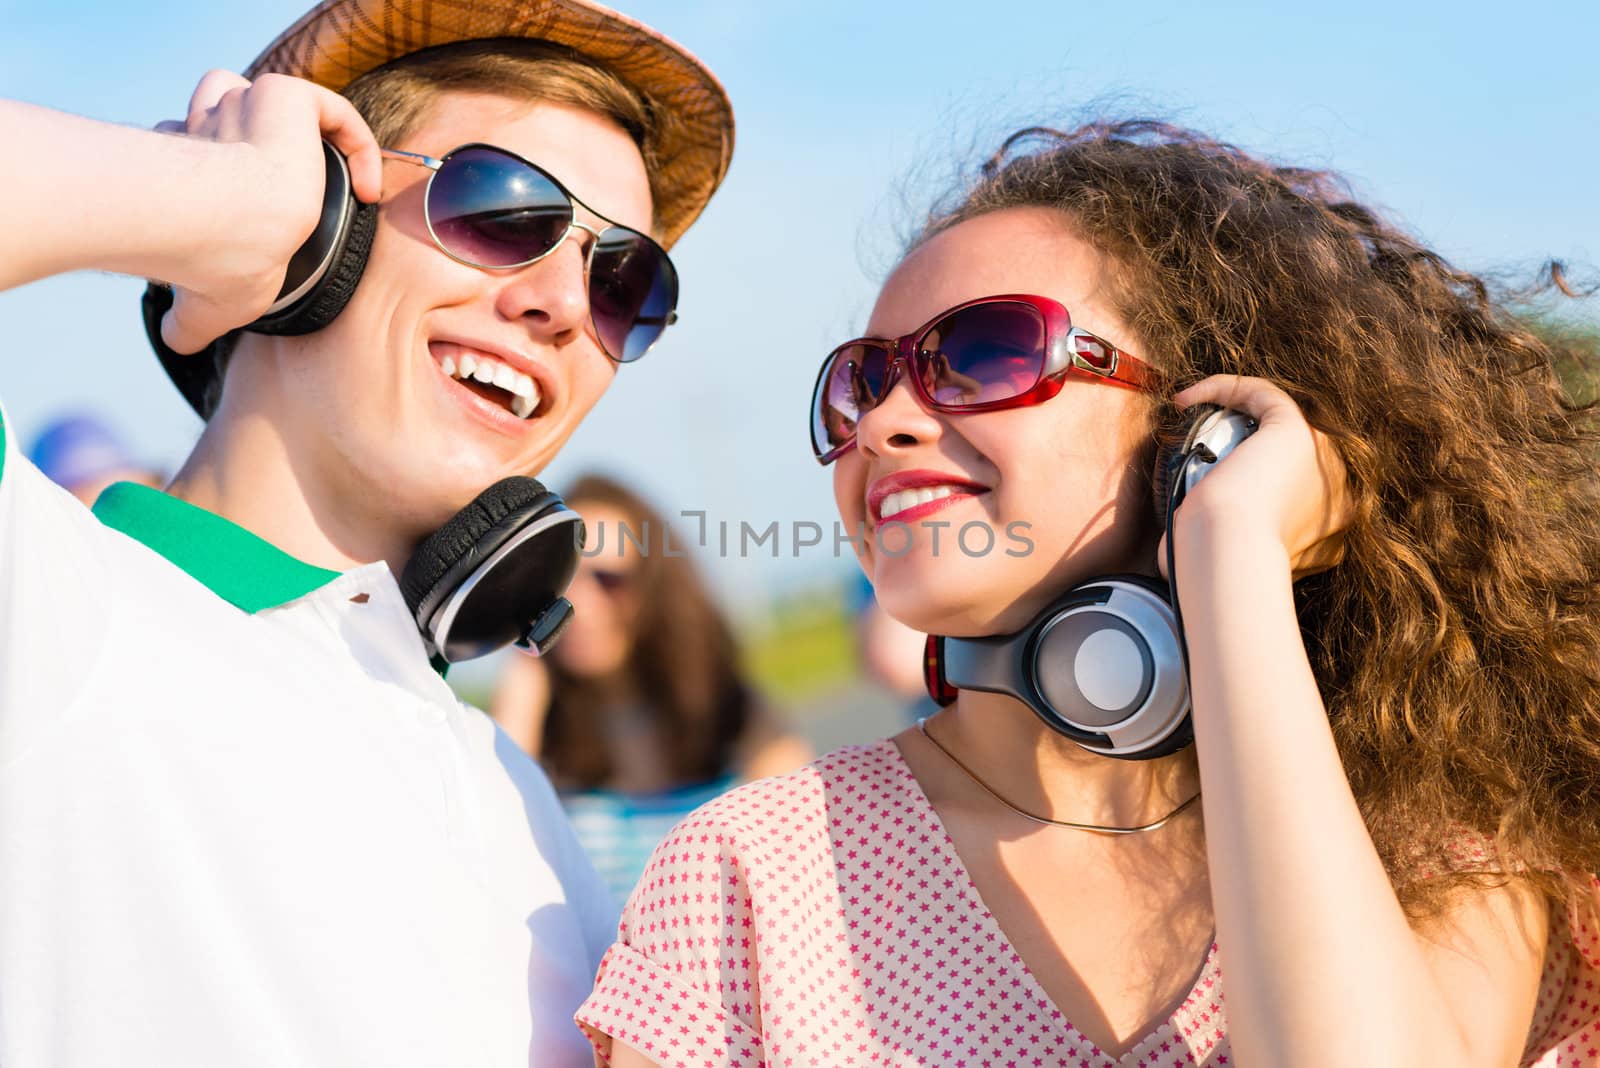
<point x="888" y="652"/>
<point x="83" y="455"/>
<point x="642" y="711"/>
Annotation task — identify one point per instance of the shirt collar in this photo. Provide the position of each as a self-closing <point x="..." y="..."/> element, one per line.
<point x="246" y="571"/>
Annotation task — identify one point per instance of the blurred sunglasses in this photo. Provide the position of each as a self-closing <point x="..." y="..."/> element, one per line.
<point x="488" y="207"/>
<point x="981" y="356"/>
<point x="610" y="581"/>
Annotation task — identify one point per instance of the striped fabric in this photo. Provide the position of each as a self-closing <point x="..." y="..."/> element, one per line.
<point x="620" y="831"/>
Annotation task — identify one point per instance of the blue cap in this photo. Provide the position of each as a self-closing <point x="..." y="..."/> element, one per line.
<point x="77" y="448"/>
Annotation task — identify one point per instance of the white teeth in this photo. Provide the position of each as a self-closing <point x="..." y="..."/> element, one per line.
<point x="898" y="502"/>
<point x="525" y="395"/>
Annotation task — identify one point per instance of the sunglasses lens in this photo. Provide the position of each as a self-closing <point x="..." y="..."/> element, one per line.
<point x="850" y="384"/>
<point x="610" y="581"/>
<point x="494" y="210"/>
<point x="985" y="353"/>
<point x="633" y="291"/>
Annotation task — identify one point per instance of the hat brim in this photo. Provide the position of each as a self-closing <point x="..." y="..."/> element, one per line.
<point x="339" y="40"/>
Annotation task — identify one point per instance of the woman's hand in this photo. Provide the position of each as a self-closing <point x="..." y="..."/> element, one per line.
<point x="1287" y="478"/>
<point x="276" y="126"/>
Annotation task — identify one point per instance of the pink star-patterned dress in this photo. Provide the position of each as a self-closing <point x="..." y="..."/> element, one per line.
<point x="823" y="918"/>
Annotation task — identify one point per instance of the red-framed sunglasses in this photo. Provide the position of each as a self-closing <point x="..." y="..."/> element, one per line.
<point x="995" y="352"/>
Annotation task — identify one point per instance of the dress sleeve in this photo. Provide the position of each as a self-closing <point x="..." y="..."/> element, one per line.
<point x="680" y="983"/>
<point x="1566" y="1020"/>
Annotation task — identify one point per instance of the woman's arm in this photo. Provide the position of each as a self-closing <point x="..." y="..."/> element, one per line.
<point x="625" y="1056"/>
<point x="1323" y="967"/>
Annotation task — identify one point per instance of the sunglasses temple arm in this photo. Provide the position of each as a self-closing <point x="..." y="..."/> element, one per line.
<point x="412" y="157"/>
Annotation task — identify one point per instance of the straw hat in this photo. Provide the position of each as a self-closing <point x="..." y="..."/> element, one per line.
<point x="339" y="40"/>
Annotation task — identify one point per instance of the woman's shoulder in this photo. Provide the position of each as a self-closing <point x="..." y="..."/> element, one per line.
<point x="789" y="810"/>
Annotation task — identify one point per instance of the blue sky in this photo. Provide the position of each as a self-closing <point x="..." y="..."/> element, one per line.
<point x="1478" y="125"/>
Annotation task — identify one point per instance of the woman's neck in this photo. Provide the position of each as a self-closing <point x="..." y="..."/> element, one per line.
<point x="1046" y="774"/>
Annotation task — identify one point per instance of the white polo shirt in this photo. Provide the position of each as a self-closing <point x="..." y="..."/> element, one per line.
<point x="243" y="822"/>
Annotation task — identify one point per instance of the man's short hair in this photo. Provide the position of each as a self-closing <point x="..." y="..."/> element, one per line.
<point x="395" y="97"/>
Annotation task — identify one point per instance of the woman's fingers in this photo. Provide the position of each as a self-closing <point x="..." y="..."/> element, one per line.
<point x="1296" y="479"/>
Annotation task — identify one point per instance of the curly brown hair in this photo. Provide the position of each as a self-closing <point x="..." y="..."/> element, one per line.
<point x="1457" y="646"/>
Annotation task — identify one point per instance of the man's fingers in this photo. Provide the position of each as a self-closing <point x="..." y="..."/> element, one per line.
<point x="338" y="123"/>
<point x="212" y="88"/>
<point x="346" y="130"/>
<point x="184" y="327"/>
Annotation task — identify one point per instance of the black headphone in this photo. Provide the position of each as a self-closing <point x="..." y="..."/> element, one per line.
<point x="1105" y="664"/>
<point x="497" y="571"/>
<point x="319" y="282"/>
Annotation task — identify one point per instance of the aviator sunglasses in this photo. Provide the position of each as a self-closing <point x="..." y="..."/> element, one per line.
<point x="981" y="356"/>
<point x="488" y="207"/>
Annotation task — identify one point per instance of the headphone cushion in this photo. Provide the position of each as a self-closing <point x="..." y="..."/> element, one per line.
<point x="939" y="689"/>
<point x="330" y="295"/>
<point x="1170" y="459"/>
<point x="448" y="555"/>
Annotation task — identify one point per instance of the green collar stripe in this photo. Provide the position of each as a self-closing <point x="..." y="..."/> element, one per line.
<point x="227" y="559"/>
<point x="3" y="442"/>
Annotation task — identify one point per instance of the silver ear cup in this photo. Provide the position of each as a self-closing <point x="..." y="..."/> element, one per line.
<point x="1109" y="667"/>
<point x="1101" y="665"/>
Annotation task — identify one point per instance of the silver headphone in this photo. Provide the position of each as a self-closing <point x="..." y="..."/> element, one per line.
<point x="1106" y="664"/>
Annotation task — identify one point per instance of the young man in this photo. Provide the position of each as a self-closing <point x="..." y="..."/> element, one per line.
<point x="242" y="820"/>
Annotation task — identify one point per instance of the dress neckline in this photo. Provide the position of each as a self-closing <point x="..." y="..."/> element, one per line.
<point x="1200" y="1009"/>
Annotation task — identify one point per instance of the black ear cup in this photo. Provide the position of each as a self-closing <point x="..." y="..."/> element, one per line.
<point x="320" y="280"/>
<point x="495" y="573"/>
<point x="323" y="272"/>
<point x="327" y="298"/>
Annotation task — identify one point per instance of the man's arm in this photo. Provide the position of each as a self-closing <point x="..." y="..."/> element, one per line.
<point x="217" y="213"/>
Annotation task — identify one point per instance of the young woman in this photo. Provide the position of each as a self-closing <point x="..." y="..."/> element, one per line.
<point x="642" y="712"/>
<point x="1380" y="841"/>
